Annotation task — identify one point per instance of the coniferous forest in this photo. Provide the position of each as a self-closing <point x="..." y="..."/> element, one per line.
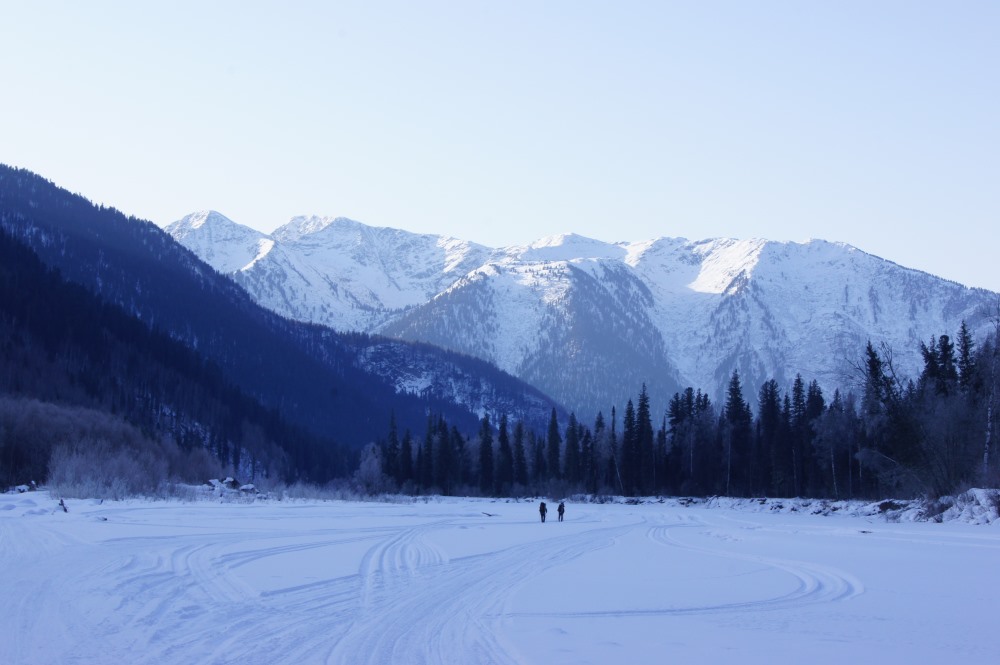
<point x="117" y="344"/>
<point x="892" y="436"/>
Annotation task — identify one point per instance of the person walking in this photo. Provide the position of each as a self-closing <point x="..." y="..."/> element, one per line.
<point x="542" y="510"/>
<point x="562" y="509"/>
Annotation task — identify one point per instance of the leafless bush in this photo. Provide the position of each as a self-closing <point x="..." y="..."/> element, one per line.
<point x="94" y="468"/>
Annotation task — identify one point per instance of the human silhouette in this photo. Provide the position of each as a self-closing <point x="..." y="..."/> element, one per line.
<point x="542" y="510"/>
<point x="562" y="509"/>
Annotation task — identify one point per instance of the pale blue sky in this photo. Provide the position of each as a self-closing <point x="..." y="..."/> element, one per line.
<point x="873" y="123"/>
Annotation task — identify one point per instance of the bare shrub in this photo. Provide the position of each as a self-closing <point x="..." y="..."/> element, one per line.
<point x="94" y="468"/>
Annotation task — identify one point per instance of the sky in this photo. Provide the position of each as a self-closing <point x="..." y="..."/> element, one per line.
<point x="871" y="123"/>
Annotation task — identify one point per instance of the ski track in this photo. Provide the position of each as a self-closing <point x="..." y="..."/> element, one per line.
<point x="816" y="583"/>
<point x="408" y="601"/>
<point x="420" y="609"/>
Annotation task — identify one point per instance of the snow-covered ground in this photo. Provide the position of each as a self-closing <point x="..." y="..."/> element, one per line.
<point x="442" y="581"/>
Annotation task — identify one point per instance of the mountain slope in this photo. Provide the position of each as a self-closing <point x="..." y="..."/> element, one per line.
<point x="589" y="321"/>
<point x="321" y="270"/>
<point x="314" y="377"/>
<point x="63" y="345"/>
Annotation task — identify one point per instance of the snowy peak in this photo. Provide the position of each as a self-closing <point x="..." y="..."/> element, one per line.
<point x="567" y="247"/>
<point x="219" y="241"/>
<point x="587" y="320"/>
<point x="306" y="225"/>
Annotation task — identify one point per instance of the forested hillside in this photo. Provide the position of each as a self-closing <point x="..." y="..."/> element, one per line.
<point x="315" y="377"/>
<point x="62" y="347"/>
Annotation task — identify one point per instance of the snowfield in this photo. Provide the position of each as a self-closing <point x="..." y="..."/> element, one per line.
<point x="477" y="581"/>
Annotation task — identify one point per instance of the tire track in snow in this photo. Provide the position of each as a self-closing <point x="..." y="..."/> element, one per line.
<point x="816" y="583"/>
<point x="448" y="611"/>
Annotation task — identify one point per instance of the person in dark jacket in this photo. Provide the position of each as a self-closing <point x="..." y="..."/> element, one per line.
<point x="562" y="509"/>
<point x="542" y="510"/>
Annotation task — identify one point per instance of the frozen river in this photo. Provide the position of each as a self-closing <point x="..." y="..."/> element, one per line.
<point x="445" y="582"/>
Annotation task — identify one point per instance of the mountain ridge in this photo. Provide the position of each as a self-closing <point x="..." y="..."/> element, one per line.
<point x="693" y="311"/>
<point x="318" y="379"/>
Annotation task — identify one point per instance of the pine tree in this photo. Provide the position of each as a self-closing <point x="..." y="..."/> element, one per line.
<point x="486" y="456"/>
<point x="630" y="453"/>
<point x="738" y="419"/>
<point x="426" y="456"/>
<point x="660" y="458"/>
<point x="505" y="461"/>
<point x="645" y="461"/>
<point x="539" y="472"/>
<point x="406" y="458"/>
<point x="798" y="433"/>
<point x="461" y="475"/>
<point x="768" y="428"/>
<point x="392" y="451"/>
<point x="554" y="442"/>
<point x="966" y="358"/>
<point x="614" y="467"/>
<point x="588" y="458"/>
<point x="520" y="459"/>
<point x="444" y="458"/>
<point x="572" y="470"/>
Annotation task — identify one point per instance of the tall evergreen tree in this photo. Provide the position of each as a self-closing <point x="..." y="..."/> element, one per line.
<point x="553" y="442"/>
<point x="588" y="457"/>
<point x="505" y="461"/>
<point x="798" y="441"/>
<point x="768" y="432"/>
<point x="572" y="470"/>
<point x="738" y="421"/>
<point x="539" y="473"/>
<point x="614" y="467"/>
<point x="520" y="458"/>
<point x="630" y="452"/>
<point x="486" y="456"/>
<point x="426" y="456"/>
<point x="966" y="357"/>
<point x="444" y="458"/>
<point x="406" y="458"/>
<point x="645" y="462"/>
<point x="461" y="474"/>
<point x="660" y="458"/>
<point x="392" y="451"/>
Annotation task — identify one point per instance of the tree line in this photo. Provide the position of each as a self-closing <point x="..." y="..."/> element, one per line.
<point x="888" y="436"/>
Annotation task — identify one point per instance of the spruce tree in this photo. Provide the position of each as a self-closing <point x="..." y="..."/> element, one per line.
<point x="966" y="357"/>
<point x="554" y="442"/>
<point x="486" y="456"/>
<point x="406" y="458"/>
<point x="520" y="459"/>
<point x="738" y="421"/>
<point x="444" y="458"/>
<point x="768" y="428"/>
<point x="660" y="457"/>
<point x="572" y="470"/>
<point x="505" y="461"/>
<point x="460" y="473"/>
<point x="538" y="470"/>
<point x="799" y="426"/>
<point x="614" y="466"/>
<point x="588" y="469"/>
<point x="645" y="459"/>
<point x="630" y="453"/>
<point x="392" y="451"/>
<point x="427" y="456"/>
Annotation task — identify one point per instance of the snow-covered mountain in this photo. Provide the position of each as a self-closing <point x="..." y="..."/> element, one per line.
<point x="587" y="321"/>
<point x="327" y="270"/>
